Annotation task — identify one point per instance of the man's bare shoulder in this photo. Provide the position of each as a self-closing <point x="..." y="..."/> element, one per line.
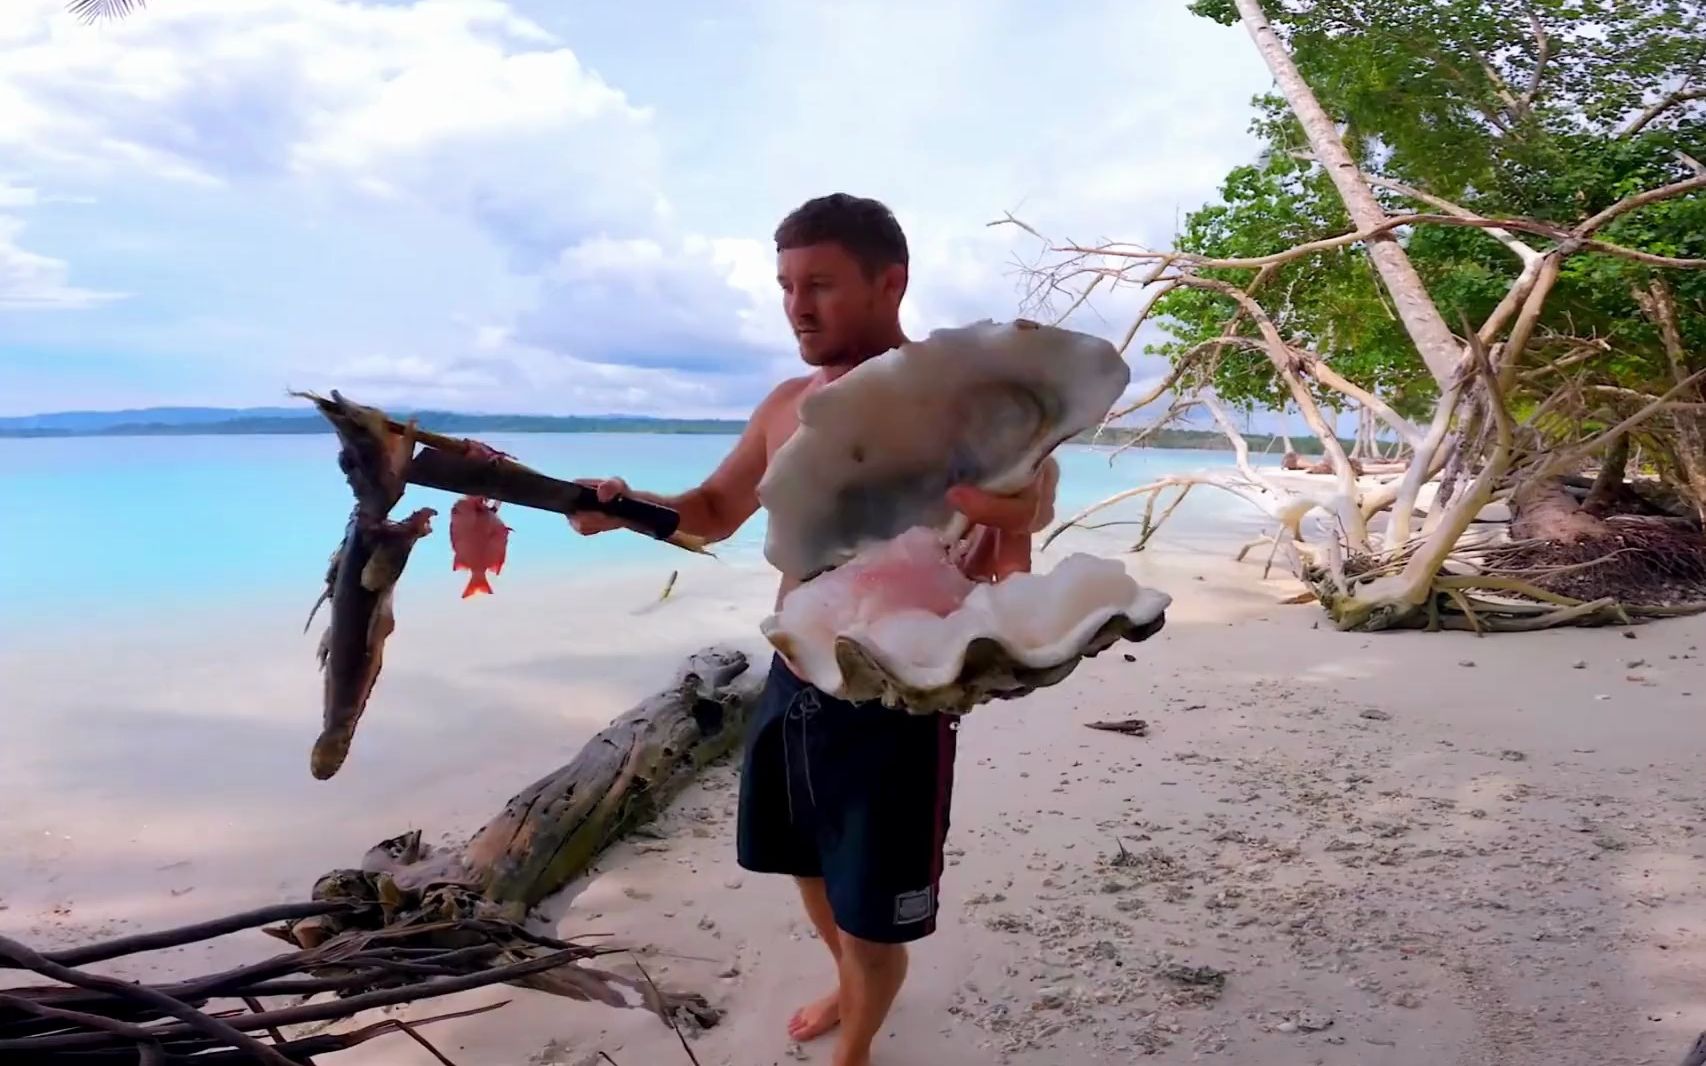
<point x="782" y="401"/>
<point x="788" y="390"/>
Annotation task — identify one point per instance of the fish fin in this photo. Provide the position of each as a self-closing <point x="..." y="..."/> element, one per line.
<point x="498" y="567"/>
<point x="476" y="585"/>
<point x="325" y="594"/>
<point x="457" y="564"/>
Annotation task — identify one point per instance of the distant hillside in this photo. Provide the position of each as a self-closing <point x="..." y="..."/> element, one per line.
<point x="1211" y="441"/>
<point x="212" y="421"/>
<point x="94" y="421"/>
<point x="220" y="421"/>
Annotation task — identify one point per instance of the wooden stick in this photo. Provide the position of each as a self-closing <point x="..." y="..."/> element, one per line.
<point x="187" y="934"/>
<point x="314" y="1012"/>
<point x="510" y="482"/>
<point x="193" y="1019"/>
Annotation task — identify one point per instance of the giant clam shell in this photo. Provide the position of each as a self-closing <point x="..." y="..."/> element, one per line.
<point x="878" y="449"/>
<point x="1006" y="639"/>
<point x="860" y="490"/>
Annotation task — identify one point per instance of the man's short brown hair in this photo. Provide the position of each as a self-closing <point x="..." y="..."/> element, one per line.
<point x="865" y="227"/>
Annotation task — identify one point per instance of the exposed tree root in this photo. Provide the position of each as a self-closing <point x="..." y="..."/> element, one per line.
<point x="1488" y="603"/>
<point x="1634" y="561"/>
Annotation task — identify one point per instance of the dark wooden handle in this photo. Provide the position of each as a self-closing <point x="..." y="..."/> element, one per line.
<point x="511" y="483"/>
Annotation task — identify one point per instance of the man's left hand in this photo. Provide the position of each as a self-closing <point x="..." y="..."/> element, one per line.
<point x="1000" y="540"/>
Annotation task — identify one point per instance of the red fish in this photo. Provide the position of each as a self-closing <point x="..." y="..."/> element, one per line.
<point x="478" y="539"/>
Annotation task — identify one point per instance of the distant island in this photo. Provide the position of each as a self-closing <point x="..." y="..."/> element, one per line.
<point x="216" y="421"/>
<point x="213" y="421"/>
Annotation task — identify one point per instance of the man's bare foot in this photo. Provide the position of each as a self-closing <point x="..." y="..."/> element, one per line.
<point x="815" y="1018"/>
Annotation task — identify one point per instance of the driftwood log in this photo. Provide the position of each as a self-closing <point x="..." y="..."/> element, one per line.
<point x="408" y="923"/>
<point x="549" y="833"/>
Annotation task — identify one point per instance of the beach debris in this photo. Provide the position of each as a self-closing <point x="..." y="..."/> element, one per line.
<point x="858" y="507"/>
<point x="479" y="540"/>
<point x="1305" y="1022"/>
<point x="1131" y="727"/>
<point x="1374" y="714"/>
<point x="1198" y="984"/>
<point x="669" y="586"/>
<point x="84" y="1016"/>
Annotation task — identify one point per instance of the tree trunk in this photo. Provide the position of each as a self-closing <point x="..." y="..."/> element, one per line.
<point x="1422" y="320"/>
<point x="1608" y="491"/>
<point x="1545" y="510"/>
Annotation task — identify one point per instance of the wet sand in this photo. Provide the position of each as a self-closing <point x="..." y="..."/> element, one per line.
<point x="1329" y="849"/>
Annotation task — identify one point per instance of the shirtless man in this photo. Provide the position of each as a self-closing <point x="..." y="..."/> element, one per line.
<point x="851" y="801"/>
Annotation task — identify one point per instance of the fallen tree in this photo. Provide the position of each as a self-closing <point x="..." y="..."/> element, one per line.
<point x="408" y="923"/>
<point x="1581" y="361"/>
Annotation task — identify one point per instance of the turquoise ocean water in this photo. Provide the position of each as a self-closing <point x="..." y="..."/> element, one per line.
<point x="122" y="526"/>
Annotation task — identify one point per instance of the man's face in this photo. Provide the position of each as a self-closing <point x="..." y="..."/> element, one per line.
<point x="836" y="311"/>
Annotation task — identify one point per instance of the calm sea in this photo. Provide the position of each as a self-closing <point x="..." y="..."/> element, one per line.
<point x="120" y="526"/>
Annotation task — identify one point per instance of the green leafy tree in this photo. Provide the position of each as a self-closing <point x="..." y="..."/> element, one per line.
<point x="1548" y="111"/>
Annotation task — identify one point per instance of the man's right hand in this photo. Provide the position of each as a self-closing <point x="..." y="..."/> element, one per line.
<point x="587" y="523"/>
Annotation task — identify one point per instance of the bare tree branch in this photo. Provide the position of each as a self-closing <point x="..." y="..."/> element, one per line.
<point x="1513" y="105"/>
<point x="1661" y="308"/>
<point x="1350" y="515"/>
<point x="1211" y="348"/>
<point x="1543" y="44"/>
<point x="1319" y="369"/>
<point x="1642" y="397"/>
<point x="1663" y="104"/>
<point x="1510" y="356"/>
<point x="1572" y="238"/>
<point x="1641" y="199"/>
<point x="1592" y="444"/>
<point x="1523" y="251"/>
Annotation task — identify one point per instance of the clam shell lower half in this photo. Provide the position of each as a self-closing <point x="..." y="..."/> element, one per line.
<point x="1006" y="640"/>
<point x="989" y="672"/>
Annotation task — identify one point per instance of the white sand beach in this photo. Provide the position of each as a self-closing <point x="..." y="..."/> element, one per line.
<point x="1402" y="849"/>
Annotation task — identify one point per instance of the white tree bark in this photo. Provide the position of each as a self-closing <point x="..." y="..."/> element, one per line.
<point x="1422" y="320"/>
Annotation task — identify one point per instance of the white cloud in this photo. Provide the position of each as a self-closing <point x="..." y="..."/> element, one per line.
<point x="641" y="303"/>
<point x="526" y="205"/>
<point x="464" y="105"/>
<point x="30" y="280"/>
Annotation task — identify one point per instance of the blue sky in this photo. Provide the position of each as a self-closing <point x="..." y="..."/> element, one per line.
<point x="547" y="207"/>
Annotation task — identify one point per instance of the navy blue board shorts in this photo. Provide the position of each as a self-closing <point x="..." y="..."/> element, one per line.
<point x="856" y="794"/>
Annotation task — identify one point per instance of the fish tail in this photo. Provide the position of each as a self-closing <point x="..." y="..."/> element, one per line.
<point x="477" y="584"/>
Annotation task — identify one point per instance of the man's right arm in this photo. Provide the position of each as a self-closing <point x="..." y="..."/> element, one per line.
<point x="720" y="505"/>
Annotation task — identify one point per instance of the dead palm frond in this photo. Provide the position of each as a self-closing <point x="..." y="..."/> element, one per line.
<point x="94" y="10"/>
